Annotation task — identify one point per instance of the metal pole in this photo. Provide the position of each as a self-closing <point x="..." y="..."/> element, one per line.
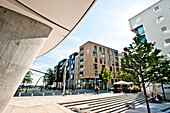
<point x="64" y="80"/>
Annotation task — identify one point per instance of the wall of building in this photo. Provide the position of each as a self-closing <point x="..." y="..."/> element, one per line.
<point x="154" y="20"/>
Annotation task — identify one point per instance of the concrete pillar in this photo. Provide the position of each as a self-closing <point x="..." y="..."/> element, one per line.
<point x="21" y="38"/>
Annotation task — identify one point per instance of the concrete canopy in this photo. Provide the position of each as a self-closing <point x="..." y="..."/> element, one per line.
<point x="61" y="15"/>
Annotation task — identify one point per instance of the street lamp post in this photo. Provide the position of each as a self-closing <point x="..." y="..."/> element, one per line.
<point x="64" y="80"/>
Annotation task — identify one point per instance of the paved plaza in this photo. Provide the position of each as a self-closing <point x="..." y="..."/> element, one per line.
<point x="55" y="104"/>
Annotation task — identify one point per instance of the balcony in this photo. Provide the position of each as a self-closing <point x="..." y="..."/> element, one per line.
<point x="82" y="62"/>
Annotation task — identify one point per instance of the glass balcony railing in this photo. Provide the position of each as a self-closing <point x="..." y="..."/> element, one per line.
<point x="82" y="56"/>
<point x="81" y="62"/>
<point x="82" y="51"/>
<point x="81" y="68"/>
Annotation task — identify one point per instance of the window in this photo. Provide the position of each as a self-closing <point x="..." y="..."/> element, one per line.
<point x="111" y="52"/>
<point x="116" y="59"/>
<point x="103" y="55"/>
<point x="143" y="39"/>
<point x="156" y="8"/>
<point x="100" y="49"/>
<point x="100" y="61"/>
<point x="114" y="76"/>
<point x="81" y="61"/>
<point x="110" y="68"/>
<point x="94" y="53"/>
<point x="112" y="63"/>
<point x="103" y="66"/>
<point x="167" y="40"/>
<point x="113" y="69"/>
<point x="103" y="50"/>
<point x="81" y="73"/>
<point x="115" y="54"/>
<point x="95" y="60"/>
<point x="81" y="67"/>
<point x="82" y="50"/>
<point x="82" y="55"/>
<point x="160" y="18"/>
<point x="104" y="61"/>
<point x="108" y="62"/>
<point x="109" y="57"/>
<point x="117" y="69"/>
<point x="95" y="48"/>
<point x="117" y="64"/>
<point x="96" y="73"/>
<point x="163" y="29"/>
<point x="95" y="66"/>
<point x="140" y="30"/>
<point x="108" y="51"/>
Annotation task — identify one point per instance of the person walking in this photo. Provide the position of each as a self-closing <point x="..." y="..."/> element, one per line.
<point x="96" y="89"/>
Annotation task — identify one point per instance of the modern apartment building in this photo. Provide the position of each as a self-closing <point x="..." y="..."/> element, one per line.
<point x="154" y="24"/>
<point x="71" y="68"/>
<point x="59" y="74"/>
<point x="93" y="58"/>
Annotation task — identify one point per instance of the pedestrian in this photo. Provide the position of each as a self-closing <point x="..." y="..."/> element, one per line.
<point x="96" y="89"/>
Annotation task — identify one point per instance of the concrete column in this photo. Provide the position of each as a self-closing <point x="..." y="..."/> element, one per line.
<point x="21" y="38"/>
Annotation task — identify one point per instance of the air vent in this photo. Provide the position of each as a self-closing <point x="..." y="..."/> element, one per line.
<point x="167" y="41"/>
<point x="156" y="8"/>
<point x="163" y="29"/>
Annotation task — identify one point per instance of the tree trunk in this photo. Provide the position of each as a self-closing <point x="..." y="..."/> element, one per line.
<point x="146" y="100"/>
<point x="107" y="87"/>
<point x="163" y="91"/>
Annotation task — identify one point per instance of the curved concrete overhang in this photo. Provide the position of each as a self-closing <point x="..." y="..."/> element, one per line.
<point x="61" y="15"/>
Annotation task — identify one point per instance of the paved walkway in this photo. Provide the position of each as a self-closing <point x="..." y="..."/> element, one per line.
<point x="48" y="104"/>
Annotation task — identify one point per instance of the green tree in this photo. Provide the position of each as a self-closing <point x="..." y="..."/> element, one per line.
<point x="106" y="76"/>
<point x="138" y="62"/>
<point x="49" y="77"/>
<point x="161" y="75"/>
<point x="27" y="79"/>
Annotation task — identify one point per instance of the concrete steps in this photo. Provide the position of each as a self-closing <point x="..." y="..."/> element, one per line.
<point x="108" y="104"/>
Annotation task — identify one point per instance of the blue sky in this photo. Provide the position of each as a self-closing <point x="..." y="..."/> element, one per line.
<point x="106" y="24"/>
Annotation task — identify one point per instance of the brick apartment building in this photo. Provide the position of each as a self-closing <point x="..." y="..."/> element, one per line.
<point x="93" y="58"/>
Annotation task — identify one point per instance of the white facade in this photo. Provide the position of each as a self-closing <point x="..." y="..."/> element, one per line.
<point x="155" y="21"/>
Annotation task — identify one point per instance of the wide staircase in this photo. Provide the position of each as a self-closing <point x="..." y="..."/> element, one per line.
<point x="113" y="104"/>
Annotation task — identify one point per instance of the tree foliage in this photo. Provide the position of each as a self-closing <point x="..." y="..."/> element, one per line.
<point x="49" y="77"/>
<point x="106" y="76"/>
<point x="27" y="79"/>
<point x="139" y="62"/>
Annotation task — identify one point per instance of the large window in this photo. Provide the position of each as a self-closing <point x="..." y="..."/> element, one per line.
<point x="100" y="61"/>
<point x="110" y="68"/>
<point x="140" y="30"/>
<point x="111" y="52"/>
<point x="95" y="66"/>
<point x="143" y="39"/>
<point x="112" y="63"/>
<point x="100" y="49"/>
<point x="108" y="51"/>
<point x="95" y="48"/>
<point x="82" y="50"/>
<point x="96" y="73"/>
<point x="82" y="55"/>
<point x="115" y="54"/>
<point x="109" y="57"/>
<point x="103" y="55"/>
<point x="116" y="59"/>
<point x="103" y="50"/>
<point x="95" y="60"/>
<point x="94" y="53"/>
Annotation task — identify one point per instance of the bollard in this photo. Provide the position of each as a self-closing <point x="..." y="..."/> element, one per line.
<point x="78" y="93"/>
<point x="70" y="93"/>
<point x="53" y="94"/>
<point x="85" y="93"/>
<point x="19" y="95"/>
<point x="42" y="94"/>
<point x="32" y="94"/>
